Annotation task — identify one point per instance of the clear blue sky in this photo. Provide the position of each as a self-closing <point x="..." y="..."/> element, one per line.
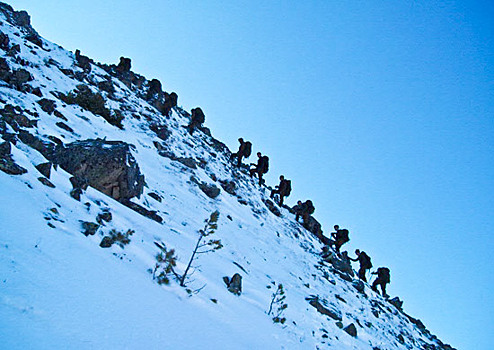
<point x="382" y="113"/>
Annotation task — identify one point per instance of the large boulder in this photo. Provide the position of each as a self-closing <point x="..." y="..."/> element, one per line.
<point x="108" y="166"/>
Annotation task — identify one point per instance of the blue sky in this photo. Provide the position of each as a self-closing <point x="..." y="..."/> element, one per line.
<point x="381" y="113"/>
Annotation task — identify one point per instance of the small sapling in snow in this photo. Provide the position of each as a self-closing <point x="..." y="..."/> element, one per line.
<point x="202" y="247"/>
<point x="278" y="305"/>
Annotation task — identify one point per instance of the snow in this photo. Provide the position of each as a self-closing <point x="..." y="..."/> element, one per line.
<point x="60" y="289"/>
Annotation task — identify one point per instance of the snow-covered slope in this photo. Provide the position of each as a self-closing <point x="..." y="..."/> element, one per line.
<point x="61" y="290"/>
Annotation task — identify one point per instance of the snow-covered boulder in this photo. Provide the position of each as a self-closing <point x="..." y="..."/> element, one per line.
<point x="108" y="166"/>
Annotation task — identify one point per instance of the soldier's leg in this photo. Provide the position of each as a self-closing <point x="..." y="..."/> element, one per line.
<point x="361" y="274"/>
<point x="260" y="177"/>
<point x="383" y="288"/>
<point x="338" y="245"/>
<point x="374" y="285"/>
<point x="281" y="200"/>
<point x="239" y="162"/>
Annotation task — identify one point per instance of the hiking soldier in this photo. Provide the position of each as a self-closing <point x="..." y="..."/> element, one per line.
<point x="383" y="278"/>
<point x="340" y="237"/>
<point x="244" y="150"/>
<point x="261" y="167"/>
<point x="196" y="119"/>
<point x="283" y="189"/>
<point x="365" y="263"/>
<point x="298" y="210"/>
<point x="309" y="209"/>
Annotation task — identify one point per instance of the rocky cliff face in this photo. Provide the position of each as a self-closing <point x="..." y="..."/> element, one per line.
<point x="81" y="144"/>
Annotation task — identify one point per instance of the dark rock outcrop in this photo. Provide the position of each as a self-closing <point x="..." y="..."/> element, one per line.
<point x="93" y="102"/>
<point x="89" y="228"/>
<point x="312" y="225"/>
<point x="154" y="89"/>
<point x="155" y="196"/>
<point x="234" y="284"/>
<point x="333" y="313"/>
<point x="124" y="65"/>
<point x="18" y="18"/>
<point x="4" y="41"/>
<point x="45" y="169"/>
<point x="46" y="148"/>
<point x="35" y="39"/>
<point x="171" y="101"/>
<point x="272" y="207"/>
<point x="358" y="285"/>
<point x="64" y="126"/>
<point x="5" y="72"/>
<point x="188" y="162"/>
<point x="106" y="242"/>
<point x="210" y="190"/>
<point x="151" y="214"/>
<point x="229" y="186"/>
<point x="396" y="302"/>
<point x="108" y="166"/>
<point x="7" y="163"/>
<point x="14" y="117"/>
<point x="47" y="105"/>
<point x="160" y="130"/>
<point x="79" y="182"/>
<point x="159" y="99"/>
<point x="20" y="77"/>
<point x="83" y="61"/>
<point x="79" y="185"/>
<point x="351" y="329"/>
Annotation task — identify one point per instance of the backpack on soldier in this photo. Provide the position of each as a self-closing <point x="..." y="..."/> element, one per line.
<point x="309" y="207"/>
<point x="384" y="274"/>
<point x="247" y="149"/>
<point x="343" y="235"/>
<point x="265" y="164"/>
<point x="366" y="261"/>
<point x="288" y="188"/>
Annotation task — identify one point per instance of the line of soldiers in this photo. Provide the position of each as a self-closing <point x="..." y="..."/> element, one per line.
<point x="304" y="210"/>
<point x="340" y="237"/>
<point x="244" y="151"/>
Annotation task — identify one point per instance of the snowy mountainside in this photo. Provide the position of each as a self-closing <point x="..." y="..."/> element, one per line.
<point x="60" y="289"/>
